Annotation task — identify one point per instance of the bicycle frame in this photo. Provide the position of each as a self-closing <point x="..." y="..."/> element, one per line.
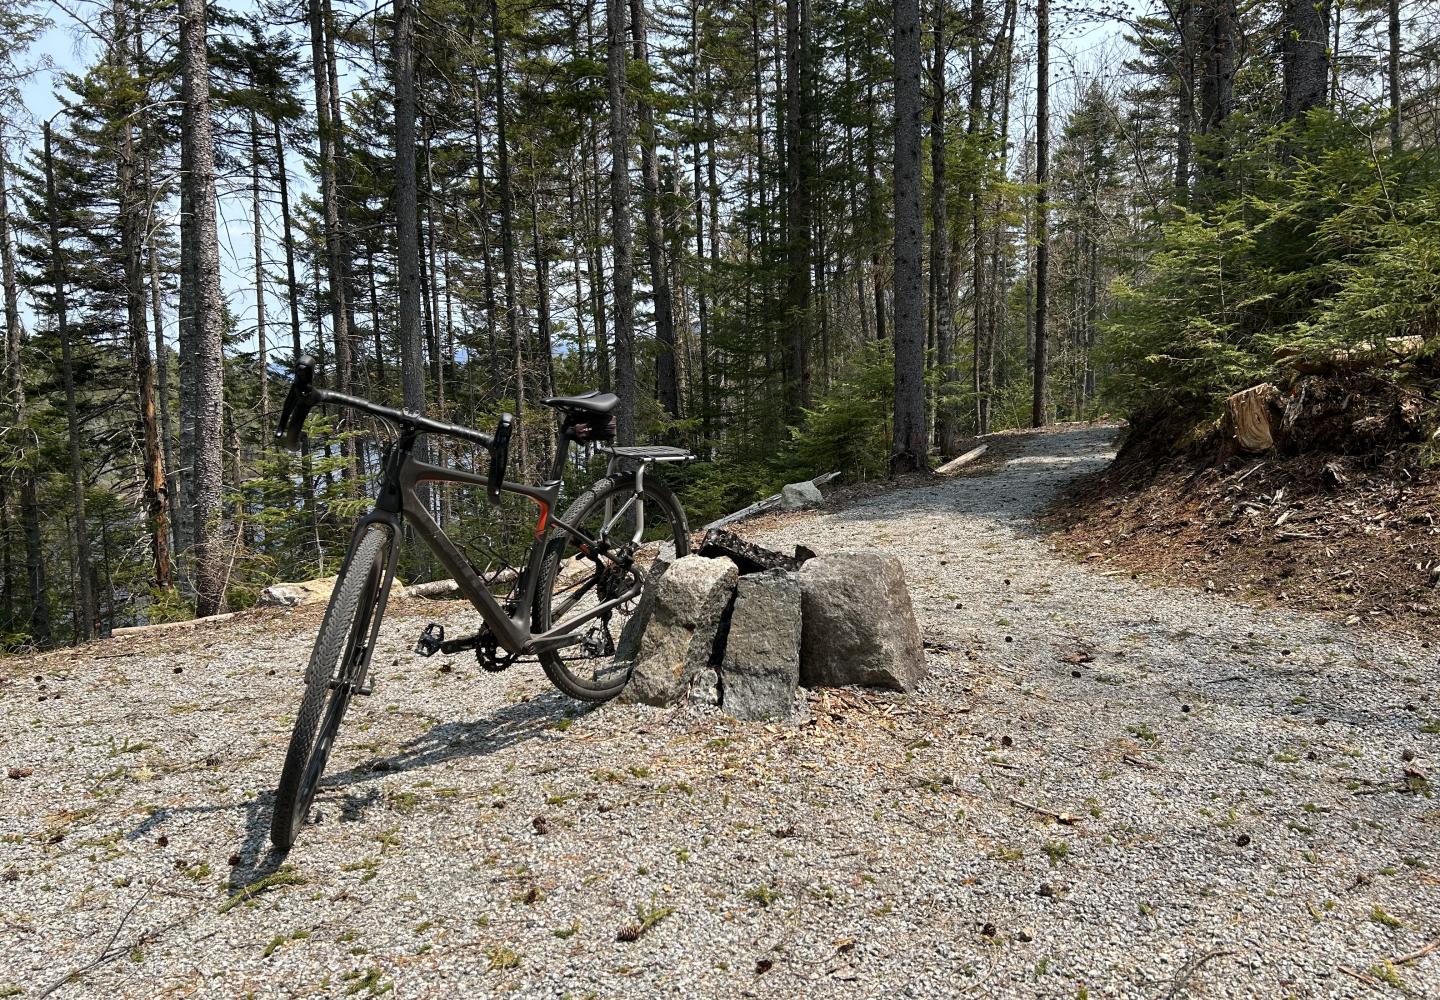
<point x="399" y="499"/>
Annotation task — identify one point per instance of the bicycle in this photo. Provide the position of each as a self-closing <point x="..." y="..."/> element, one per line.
<point x="582" y="568"/>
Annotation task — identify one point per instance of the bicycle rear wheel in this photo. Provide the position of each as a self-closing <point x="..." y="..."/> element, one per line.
<point x="570" y="584"/>
<point x="339" y="655"/>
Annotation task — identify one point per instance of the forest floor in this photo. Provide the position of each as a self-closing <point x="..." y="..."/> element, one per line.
<point x="1106" y="788"/>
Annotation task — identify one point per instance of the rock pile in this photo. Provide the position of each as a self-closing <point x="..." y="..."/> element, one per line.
<point x="742" y="627"/>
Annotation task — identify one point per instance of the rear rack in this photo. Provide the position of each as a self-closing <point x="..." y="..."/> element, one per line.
<point x="648" y="453"/>
<point x="642" y="455"/>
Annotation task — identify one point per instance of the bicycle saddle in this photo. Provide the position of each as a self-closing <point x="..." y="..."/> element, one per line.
<point x="593" y="401"/>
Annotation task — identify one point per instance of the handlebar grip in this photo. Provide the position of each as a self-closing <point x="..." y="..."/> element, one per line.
<point x="500" y="455"/>
<point x="297" y="403"/>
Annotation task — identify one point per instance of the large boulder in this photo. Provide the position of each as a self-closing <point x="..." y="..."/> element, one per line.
<point x="761" y="665"/>
<point x="628" y="647"/>
<point x="679" y="639"/>
<point x="798" y="496"/>
<point x="293" y="595"/>
<point x="858" y="625"/>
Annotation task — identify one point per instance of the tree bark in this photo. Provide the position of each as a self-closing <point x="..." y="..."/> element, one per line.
<point x="621" y="233"/>
<point x="326" y="95"/>
<point x="908" y="450"/>
<point x="1305" y="55"/>
<point x="1185" y="101"/>
<point x="946" y="426"/>
<point x="162" y="372"/>
<point x="507" y="228"/>
<point x="667" y="378"/>
<point x="14" y="334"/>
<point x="132" y="237"/>
<point x="1393" y="79"/>
<point x="1040" y="402"/>
<point x="1217" y="35"/>
<point x="40" y="626"/>
<point x="208" y="368"/>
<point x="262" y="351"/>
<point x="798" y="249"/>
<point x="412" y="365"/>
<point x="37" y="589"/>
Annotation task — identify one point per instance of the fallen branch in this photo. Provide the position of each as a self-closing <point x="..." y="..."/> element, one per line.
<point x="1367" y="980"/>
<point x="1182" y="981"/>
<point x="435" y="588"/>
<point x="1069" y="819"/>
<point x="949" y="467"/>
<point x="166" y="626"/>
<point x="761" y="506"/>
<point x="1418" y="953"/>
<point x="106" y="954"/>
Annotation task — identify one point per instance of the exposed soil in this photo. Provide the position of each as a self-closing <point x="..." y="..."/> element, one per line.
<point x="1339" y="519"/>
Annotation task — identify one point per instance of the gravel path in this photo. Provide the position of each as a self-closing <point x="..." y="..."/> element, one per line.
<point x="1103" y="790"/>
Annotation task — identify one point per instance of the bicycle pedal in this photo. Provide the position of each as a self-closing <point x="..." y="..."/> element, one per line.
<point x="431" y="639"/>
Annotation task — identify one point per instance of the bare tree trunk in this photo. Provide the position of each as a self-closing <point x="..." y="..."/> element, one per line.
<point x="162" y="372"/>
<point x="38" y="591"/>
<point x="1042" y="221"/>
<point x="1393" y="78"/>
<point x="14" y="335"/>
<point x="482" y="190"/>
<point x="979" y="381"/>
<point x="40" y="627"/>
<point x="507" y="228"/>
<point x="132" y="235"/>
<point x="872" y="196"/>
<point x="208" y="369"/>
<point x="622" y="235"/>
<point x="909" y="448"/>
<point x="412" y="365"/>
<point x="261" y="347"/>
<point x="667" y="380"/>
<point x="798" y="318"/>
<point x="84" y="601"/>
<point x="1217" y="91"/>
<point x="326" y="94"/>
<point x="1305" y="55"/>
<point x="595" y="264"/>
<point x="1185" y="101"/>
<point x="713" y="194"/>
<point x="946" y="428"/>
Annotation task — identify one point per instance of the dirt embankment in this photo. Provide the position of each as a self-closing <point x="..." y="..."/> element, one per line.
<point x="1341" y="517"/>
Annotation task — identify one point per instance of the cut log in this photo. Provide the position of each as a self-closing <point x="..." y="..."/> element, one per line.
<point x="761" y="506"/>
<point x="950" y="467"/>
<point x="433" y="589"/>
<point x="751" y="558"/>
<point x="1247" y="414"/>
<point x="172" y="626"/>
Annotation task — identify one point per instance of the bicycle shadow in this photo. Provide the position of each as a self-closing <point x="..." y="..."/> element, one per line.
<point x="529" y="720"/>
<point x="343" y="798"/>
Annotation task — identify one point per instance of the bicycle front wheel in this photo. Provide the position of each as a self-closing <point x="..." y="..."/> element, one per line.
<point x="336" y="663"/>
<point x="630" y="529"/>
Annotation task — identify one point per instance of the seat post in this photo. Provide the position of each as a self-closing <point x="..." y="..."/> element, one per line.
<point x="562" y="454"/>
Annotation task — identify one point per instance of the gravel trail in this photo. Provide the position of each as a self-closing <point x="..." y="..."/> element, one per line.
<point x="1104" y="789"/>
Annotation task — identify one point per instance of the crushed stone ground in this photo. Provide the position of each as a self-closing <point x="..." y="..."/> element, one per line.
<point x="1104" y="786"/>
